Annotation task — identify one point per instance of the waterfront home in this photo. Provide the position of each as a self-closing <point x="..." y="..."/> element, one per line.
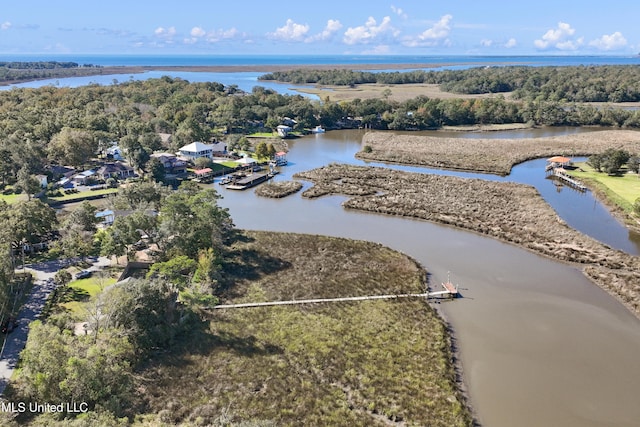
<point x="198" y="149"/>
<point x="283" y="130"/>
<point x="172" y="164"/>
<point x="115" y="170"/>
<point x="195" y="150"/>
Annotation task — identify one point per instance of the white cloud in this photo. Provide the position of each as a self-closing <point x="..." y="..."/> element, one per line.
<point x="369" y="32"/>
<point x="332" y="27"/>
<point x="212" y="36"/>
<point x="434" y="35"/>
<point x="486" y="42"/>
<point x="560" y="37"/>
<point x="5" y="25"/>
<point x="609" y="42"/>
<point x="197" y="32"/>
<point x="511" y="43"/>
<point x="398" y="11"/>
<point x="165" y="32"/>
<point x="290" y="32"/>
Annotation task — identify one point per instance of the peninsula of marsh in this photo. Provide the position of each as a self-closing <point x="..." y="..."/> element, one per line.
<point x="510" y="212"/>
<point x="367" y="363"/>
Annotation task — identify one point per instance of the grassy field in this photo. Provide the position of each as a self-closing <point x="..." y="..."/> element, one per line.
<point x="12" y="198"/>
<point x="622" y="190"/>
<point x="371" y="363"/>
<point x="79" y="292"/>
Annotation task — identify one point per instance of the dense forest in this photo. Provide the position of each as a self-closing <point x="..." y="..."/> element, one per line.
<point x="49" y="125"/>
<point x="567" y="84"/>
<point x="17" y="71"/>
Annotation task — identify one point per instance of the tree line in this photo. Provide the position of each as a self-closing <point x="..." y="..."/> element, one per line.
<point x="608" y="83"/>
<point x="19" y="71"/>
<point x="68" y="126"/>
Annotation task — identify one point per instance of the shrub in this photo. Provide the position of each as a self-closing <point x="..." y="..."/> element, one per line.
<point x="367" y="149"/>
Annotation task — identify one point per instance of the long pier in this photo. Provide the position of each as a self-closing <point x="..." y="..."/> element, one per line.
<point x="559" y="174"/>
<point x="453" y="292"/>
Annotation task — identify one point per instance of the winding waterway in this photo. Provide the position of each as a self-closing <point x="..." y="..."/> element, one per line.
<point x="540" y="344"/>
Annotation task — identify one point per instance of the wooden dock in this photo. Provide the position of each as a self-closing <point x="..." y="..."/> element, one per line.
<point x="445" y="293"/>
<point x="250" y="181"/>
<point x="562" y="176"/>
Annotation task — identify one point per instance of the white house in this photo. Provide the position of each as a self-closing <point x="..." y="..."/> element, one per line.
<point x="283" y="130"/>
<point x="200" y="149"/>
<point x="196" y="150"/>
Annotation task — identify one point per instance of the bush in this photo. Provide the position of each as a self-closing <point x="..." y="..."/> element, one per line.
<point x="367" y="149"/>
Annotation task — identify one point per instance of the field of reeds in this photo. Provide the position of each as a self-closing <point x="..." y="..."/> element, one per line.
<point x="495" y="156"/>
<point x="369" y="363"/>
<point x="510" y="212"/>
<point x="278" y="189"/>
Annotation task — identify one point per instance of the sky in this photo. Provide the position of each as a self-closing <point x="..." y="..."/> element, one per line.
<point x="331" y="27"/>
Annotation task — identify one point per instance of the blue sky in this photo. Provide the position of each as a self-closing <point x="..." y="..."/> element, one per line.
<point x="456" y="27"/>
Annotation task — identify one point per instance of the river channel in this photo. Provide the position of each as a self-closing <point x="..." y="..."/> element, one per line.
<point x="539" y="344"/>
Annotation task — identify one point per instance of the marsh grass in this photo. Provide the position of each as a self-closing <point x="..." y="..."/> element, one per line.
<point x="345" y="364"/>
<point x="495" y="155"/>
<point x="510" y="212"/>
<point x="278" y="189"/>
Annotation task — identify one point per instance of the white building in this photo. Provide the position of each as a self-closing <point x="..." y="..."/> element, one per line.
<point x="198" y="149"/>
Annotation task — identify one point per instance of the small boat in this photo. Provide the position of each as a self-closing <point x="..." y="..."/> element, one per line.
<point x="317" y="129"/>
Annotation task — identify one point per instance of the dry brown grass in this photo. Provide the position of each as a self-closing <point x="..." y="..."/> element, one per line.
<point x="371" y="363"/>
<point x="490" y="155"/>
<point x="399" y="92"/>
<point x="507" y="211"/>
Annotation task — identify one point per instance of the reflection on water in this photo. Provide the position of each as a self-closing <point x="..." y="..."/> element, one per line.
<point x="582" y="211"/>
<point x="540" y="344"/>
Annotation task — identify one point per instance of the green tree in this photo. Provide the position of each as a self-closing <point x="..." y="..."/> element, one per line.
<point x="271" y="151"/>
<point x="261" y="150"/>
<point x="177" y="271"/>
<point x="191" y="220"/>
<point x="83" y="216"/>
<point x="62" y="278"/>
<point x="202" y="162"/>
<point x="27" y="182"/>
<point x="156" y="169"/>
<point x="72" y="147"/>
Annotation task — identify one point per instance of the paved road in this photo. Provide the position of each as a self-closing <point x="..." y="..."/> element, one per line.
<point x="17" y="339"/>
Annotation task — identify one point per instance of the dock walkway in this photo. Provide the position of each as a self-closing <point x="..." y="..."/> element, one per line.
<point x="445" y="293"/>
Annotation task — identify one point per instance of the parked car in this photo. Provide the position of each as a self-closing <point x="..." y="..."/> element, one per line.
<point x="83" y="274"/>
<point x="8" y="325"/>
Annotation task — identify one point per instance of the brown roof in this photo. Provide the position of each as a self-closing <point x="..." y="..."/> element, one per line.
<point x="559" y="159"/>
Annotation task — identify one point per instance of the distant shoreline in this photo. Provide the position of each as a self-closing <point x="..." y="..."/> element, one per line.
<point x="265" y="68"/>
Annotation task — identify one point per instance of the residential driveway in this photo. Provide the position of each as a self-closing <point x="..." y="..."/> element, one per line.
<point x="30" y="311"/>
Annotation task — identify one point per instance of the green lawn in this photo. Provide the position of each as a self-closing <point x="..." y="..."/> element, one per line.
<point x="84" y="290"/>
<point x="622" y="190"/>
<point x="12" y="198"/>
<point x="263" y="135"/>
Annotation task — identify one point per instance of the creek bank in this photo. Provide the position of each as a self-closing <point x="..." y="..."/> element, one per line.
<point x="510" y="212"/>
<point x="496" y="156"/>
